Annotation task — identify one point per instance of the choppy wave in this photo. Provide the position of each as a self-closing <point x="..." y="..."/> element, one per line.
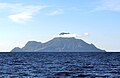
<point x="59" y="65"/>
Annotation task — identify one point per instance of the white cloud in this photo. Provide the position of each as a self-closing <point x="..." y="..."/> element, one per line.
<point x="25" y="13"/>
<point x="21" y="17"/>
<point x="73" y="35"/>
<point x="69" y="35"/>
<point x="7" y="5"/>
<point x="20" y="13"/>
<point x="86" y="34"/>
<point x="56" y="12"/>
<point x="109" y="5"/>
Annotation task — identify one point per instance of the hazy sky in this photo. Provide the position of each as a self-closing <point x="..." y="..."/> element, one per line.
<point x="97" y="21"/>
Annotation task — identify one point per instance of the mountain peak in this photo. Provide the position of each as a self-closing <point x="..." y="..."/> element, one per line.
<point x="16" y="49"/>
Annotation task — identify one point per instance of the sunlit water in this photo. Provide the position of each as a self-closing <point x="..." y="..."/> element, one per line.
<point x="59" y="65"/>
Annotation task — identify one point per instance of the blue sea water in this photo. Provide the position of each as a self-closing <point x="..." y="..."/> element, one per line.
<point x="59" y="65"/>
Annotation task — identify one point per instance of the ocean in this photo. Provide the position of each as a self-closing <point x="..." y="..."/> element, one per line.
<point x="59" y="65"/>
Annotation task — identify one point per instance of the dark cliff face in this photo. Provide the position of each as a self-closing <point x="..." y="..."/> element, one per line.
<point x="59" y="44"/>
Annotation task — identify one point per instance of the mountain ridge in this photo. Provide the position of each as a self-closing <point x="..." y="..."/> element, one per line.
<point x="59" y="44"/>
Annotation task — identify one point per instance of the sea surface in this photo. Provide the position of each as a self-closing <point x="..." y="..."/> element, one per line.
<point x="59" y="65"/>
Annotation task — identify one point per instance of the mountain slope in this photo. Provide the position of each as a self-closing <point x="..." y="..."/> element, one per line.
<point x="59" y="44"/>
